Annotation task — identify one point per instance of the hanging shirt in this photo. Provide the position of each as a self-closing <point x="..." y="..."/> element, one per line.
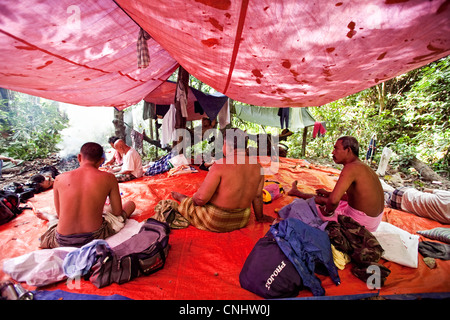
<point x="168" y="127"/>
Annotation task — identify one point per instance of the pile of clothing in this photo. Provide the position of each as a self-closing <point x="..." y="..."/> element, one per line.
<point x="286" y="260"/>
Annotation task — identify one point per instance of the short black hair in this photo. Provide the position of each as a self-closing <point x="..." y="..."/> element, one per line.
<point x="113" y="139"/>
<point x="350" y="142"/>
<point x="92" y="151"/>
<point x="37" y="178"/>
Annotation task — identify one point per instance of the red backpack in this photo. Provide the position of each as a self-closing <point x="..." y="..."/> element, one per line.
<point x="9" y="206"/>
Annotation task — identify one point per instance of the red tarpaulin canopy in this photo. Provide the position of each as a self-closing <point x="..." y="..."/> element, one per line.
<point x="79" y="52"/>
<point x="268" y="53"/>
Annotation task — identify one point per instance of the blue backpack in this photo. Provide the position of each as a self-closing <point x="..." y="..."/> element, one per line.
<point x="267" y="271"/>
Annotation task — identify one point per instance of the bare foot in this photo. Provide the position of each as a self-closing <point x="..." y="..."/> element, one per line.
<point x="294" y="190"/>
<point x="44" y="216"/>
<point x="297" y="193"/>
<point x="178" y="196"/>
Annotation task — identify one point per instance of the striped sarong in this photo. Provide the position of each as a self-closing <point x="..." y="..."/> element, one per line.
<point x="212" y="218"/>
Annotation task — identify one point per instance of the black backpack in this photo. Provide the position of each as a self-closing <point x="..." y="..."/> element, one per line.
<point x="9" y="206"/>
<point x="142" y="254"/>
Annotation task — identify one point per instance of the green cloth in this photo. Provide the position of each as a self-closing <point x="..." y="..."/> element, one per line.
<point x="299" y="118"/>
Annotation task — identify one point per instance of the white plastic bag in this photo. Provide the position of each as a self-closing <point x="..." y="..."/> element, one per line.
<point x="178" y="160"/>
<point x="399" y="245"/>
<point x="38" y="268"/>
<point x="384" y="160"/>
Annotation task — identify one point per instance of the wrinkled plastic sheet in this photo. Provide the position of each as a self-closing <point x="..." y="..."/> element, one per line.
<point x="206" y="265"/>
<point x="283" y="53"/>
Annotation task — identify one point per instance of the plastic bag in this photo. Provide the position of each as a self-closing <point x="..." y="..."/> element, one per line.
<point x="399" y="245"/>
<point x="38" y="268"/>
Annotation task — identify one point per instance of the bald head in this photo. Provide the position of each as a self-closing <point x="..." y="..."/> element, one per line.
<point x="121" y="146"/>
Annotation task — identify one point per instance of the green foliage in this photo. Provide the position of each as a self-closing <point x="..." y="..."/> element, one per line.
<point x="30" y="130"/>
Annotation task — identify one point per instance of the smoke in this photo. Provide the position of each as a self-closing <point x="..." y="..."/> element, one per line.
<point x="86" y="124"/>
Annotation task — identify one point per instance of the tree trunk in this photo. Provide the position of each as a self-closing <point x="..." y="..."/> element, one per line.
<point x="181" y="97"/>
<point x="426" y="172"/>
<point x="119" y="125"/>
<point x="381" y="88"/>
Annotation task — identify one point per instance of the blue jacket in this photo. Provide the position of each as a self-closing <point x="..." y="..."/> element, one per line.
<point x="305" y="246"/>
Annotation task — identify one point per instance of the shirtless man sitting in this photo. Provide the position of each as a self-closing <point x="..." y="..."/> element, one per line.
<point x="222" y="202"/>
<point x="79" y="198"/>
<point x="358" y="187"/>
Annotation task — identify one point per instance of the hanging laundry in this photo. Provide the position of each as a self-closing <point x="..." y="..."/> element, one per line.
<point x="283" y="113"/>
<point x="319" y="128"/>
<point x="224" y="115"/>
<point x="161" y="110"/>
<point x="198" y="108"/>
<point x="143" y="55"/>
<point x="181" y="93"/>
<point x="149" y="111"/>
<point x="168" y="127"/>
<point x="137" y="140"/>
<point x="211" y="103"/>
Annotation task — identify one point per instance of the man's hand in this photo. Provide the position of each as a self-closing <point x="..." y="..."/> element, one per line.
<point x="322" y="192"/>
<point x="324" y="212"/>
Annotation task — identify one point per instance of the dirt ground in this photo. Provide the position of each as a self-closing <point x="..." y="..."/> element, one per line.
<point x="26" y="169"/>
<point x="23" y="172"/>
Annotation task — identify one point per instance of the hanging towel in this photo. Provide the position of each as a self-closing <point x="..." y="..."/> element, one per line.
<point x="284" y="117"/>
<point x="224" y="115"/>
<point x="319" y="128"/>
<point x="142" y="50"/>
<point x="137" y="139"/>
<point x="168" y="127"/>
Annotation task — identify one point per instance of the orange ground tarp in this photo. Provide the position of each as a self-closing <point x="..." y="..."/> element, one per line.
<point x="206" y="265"/>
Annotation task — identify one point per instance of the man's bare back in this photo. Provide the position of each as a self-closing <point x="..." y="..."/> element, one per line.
<point x="80" y="196"/>
<point x="231" y="186"/>
<point x="234" y="183"/>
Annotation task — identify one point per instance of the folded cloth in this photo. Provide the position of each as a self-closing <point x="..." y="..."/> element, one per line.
<point x="319" y="129"/>
<point x="434" y="250"/>
<point x="166" y="211"/>
<point x="344" y="209"/>
<point x="365" y="270"/>
<point x="78" y="262"/>
<point x="348" y="236"/>
<point x="124" y="177"/>
<point x="116" y="222"/>
<point x="340" y="259"/>
<point x="52" y="239"/>
<point x="212" y="218"/>
<point x="304" y="210"/>
<point x="309" y="249"/>
<point x="438" y="233"/>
